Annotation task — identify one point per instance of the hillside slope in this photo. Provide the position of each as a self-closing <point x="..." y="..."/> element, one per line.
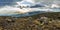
<point x="45" y="21"/>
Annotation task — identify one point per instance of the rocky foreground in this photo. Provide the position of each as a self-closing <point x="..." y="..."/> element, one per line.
<point x="45" y="21"/>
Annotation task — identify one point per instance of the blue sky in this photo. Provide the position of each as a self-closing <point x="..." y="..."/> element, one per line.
<point x="7" y="2"/>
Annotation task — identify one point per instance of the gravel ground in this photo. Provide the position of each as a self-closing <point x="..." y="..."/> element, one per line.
<point x="46" y="21"/>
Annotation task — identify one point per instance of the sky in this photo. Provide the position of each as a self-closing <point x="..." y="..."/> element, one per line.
<point x="7" y="2"/>
<point x="12" y="2"/>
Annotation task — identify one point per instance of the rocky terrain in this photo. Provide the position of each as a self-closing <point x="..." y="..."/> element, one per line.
<point x="45" y="21"/>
